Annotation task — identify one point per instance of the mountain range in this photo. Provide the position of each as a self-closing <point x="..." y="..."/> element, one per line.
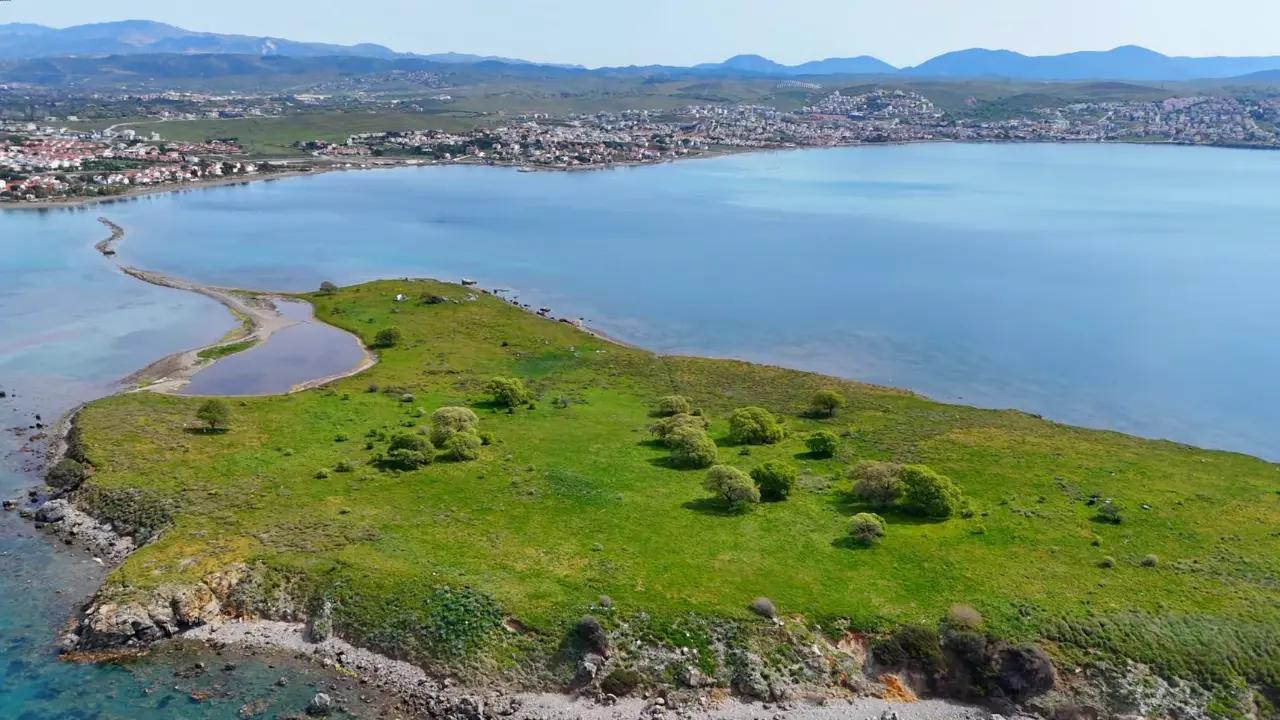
<point x="21" y="41"/>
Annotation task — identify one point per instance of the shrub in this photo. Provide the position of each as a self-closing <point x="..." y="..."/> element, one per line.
<point x="509" y="392"/>
<point x="731" y="485"/>
<point x="755" y="426"/>
<point x="328" y="287"/>
<point x="912" y="647"/>
<point x="67" y="474"/>
<point x="929" y="494"/>
<point x="405" y="459"/>
<point x="343" y="466"/>
<point x="825" y="403"/>
<point x="589" y="630"/>
<point x="763" y="607"/>
<point x="215" y="414"/>
<point x="664" y="427"/>
<point x="823" y="443"/>
<point x="1110" y="514"/>
<point x="341" y="437"/>
<point x="692" y="448"/>
<point x="620" y="682"/>
<point x="463" y="446"/>
<point x="1150" y="561"/>
<point x="448" y="421"/>
<point x="388" y="337"/>
<point x="322" y="473"/>
<point x="407" y="441"/>
<point x="674" y="405"/>
<point x="775" y="479"/>
<point x="867" y="528"/>
<point x="487" y="438"/>
<point x="877" y="483"/>
<point x="1107" y="563"/>
<point x="407" y="398"/>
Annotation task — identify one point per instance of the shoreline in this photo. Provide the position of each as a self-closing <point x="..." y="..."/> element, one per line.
<point x="327" y="165"/>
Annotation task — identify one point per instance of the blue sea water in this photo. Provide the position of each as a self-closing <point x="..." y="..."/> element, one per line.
<point x="1122" y="287"/>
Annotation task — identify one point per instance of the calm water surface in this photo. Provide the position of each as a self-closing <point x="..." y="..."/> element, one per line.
<point x="1120" y="287"/>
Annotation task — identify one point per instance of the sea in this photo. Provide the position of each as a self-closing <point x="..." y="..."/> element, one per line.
<point x="1122" y="287"/>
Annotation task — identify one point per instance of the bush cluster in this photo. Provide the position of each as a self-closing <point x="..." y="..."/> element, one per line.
<point x="664" y="427"/>
<point x="674" y="405"/>
<point x="691" y="447"/>
<point x="755" y="426"/>
<point x="732" y="486"/>
<point x="449" y="421"/>
<point x="509" y="392"/>
<point x="928" y="494"/>
<point x="775" y="479"/>
<point x="879" y="484"/>
<point x="866" y="529"/>
<point x="823" y="443"/>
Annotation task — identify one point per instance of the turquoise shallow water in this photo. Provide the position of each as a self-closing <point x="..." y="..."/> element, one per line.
<point x="1119" y="287"/>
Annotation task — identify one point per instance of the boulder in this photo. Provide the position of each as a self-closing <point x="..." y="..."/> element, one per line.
<point x="320" y="705"/>
<point x="113" y="626"/>
<point x="52" y="511"/>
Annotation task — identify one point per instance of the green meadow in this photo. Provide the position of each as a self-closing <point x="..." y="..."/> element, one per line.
<point x="574" y="499"/>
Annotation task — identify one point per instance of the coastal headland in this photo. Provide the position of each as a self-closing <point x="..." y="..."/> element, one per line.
<point x="568" y="542"/>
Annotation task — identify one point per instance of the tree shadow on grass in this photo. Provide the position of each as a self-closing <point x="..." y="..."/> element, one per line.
<point x="848" y="504"/>
<point x="653" y="444"/>
<point x="712" y="506"/>
<point x="848" y="542"/>
<point x="206" y="431"/>
<point x="812" y="456"/>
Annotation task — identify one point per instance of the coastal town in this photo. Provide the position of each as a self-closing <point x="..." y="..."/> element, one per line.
<point x="46" y="161"/>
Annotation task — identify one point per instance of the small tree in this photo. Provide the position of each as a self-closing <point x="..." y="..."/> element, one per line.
<point x="509" y="392"/>
<point x="388" y="337"/>
<point x="463" y="446"/>
<point x="692" y="448"/>
<point x="877" y="483"/>
<point x="664" y="427"/>
<point x="328" y="287"/>
<point x="823" y="443"/>
<point x="825" y="403"/>
<point x="1110" y="513"/>
<point x="448" y="421"/>
<point x="775" y="479"/>
<point x="674" y="405"/>
<point x="731" y="485"/>
<point x="927" y="493"/>
<point x="866" y="528"/>
<point x="408" y="441"/>
<point x="215" y="414"/>
<point x="755" y="426"/>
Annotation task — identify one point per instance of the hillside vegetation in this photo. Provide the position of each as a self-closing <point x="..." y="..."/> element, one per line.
<point x="573" y="498"/>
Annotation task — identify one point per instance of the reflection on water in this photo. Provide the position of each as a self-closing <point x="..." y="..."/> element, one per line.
<point x="297" y="354"/>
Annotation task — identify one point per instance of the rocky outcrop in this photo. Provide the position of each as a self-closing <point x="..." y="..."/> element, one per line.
<point x="163" y="613"/>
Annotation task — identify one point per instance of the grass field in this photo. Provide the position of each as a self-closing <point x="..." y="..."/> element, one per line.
<point x="574" y="500"/>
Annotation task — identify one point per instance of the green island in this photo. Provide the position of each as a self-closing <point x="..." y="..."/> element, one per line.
<point x="221" y="351"/>
<point x="1096" y="546"/>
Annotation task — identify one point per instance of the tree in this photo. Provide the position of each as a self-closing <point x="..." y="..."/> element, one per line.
<point x="664" y="427"/>
<point x="215" y="414"/>
<point x="509" y="392"/>
<point x="692" y="448"/>
<point x="328" y="287"/>
<point x="388" y="337"/>
<point x="408" y="441"/>
<point x="825" y="403"/>
<point x="867" y="528"/>
<point x="775" y="479"/>
<point x="877" y="483"/>
<point x="755" y="426"/>
<point x="927" y="493"/>
<point x="448" y="421"/>
<point x="731" y="485"/>
<point x="1110" y="513"/>
<point x="674" y="405"/>
<point x="463" y="446"/>
<point x="823" y="443"/>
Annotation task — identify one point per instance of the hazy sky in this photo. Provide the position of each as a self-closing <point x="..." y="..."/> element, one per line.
<point x="608" y="32"/>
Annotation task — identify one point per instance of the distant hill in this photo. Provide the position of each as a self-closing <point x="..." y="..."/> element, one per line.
<point x="21" y="41"/>
<point x="1129" y="62"/>
<point x="24" y="41"/>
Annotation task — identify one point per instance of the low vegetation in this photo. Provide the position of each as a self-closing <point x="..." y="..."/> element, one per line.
<point x="220" y="351"/>
<point x="424" y="550"/>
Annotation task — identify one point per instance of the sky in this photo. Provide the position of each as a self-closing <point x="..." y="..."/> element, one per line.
<point x="683" y="32"/>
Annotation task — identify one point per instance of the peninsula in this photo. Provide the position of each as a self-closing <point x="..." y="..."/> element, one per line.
<point x="506" y="500"/>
